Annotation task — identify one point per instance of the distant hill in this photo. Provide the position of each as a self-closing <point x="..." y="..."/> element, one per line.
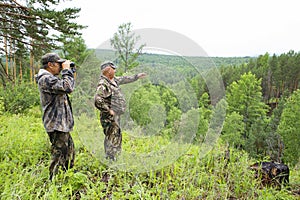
<point x="172" y="60"/>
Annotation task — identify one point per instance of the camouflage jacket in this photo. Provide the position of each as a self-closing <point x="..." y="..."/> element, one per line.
<point x="109" y="96"/>
<point x="57" y="110"/>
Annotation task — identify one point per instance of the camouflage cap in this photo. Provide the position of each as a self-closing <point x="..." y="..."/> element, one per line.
<point x="51" y="57"/>
<point x="106" y="64"/>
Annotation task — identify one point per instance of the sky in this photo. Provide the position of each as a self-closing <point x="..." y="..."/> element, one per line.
<point x="222" y="28"/>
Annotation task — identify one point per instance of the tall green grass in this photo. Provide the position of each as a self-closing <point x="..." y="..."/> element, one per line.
<point x="25" y="154"/>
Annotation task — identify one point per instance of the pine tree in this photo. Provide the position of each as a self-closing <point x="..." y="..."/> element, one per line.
<point x="31" y="28"/>
<point x="244" y="98"/>
<point x="233" y="130"/>
<point x="124" y="42"/>
<point x="289" y="127"/>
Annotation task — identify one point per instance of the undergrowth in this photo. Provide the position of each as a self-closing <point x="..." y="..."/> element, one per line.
<point x="25" y="154"/>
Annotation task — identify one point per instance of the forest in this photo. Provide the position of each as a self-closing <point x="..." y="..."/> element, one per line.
<point x="172" y="126"/>
<point x="191" y="129"/>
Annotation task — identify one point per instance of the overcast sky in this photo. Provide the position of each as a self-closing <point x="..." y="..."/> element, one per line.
<point x="221" y="27"/>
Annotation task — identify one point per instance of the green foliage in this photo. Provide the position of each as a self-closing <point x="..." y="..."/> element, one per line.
<point x="25" y="154"/>
<point x="205" y="112"/>
<point x="25" y="149"/>
<point x="124" y="42"/>
<point x="233" y="130"/>
<point x="75" y="49"/>
<point x="36" y="19"/>
<point x="257" y="141"/>
<point x="218" y="116"/>
<point x="245" y="98"/>
<point x="274" y="140"/>
<point x="154" y="104"/>
<point x="2" y="109"/>
<point x="141" y="102"/>
<point x="204" y="102"/>
<point x="289" y="127"/>
<point x="278" y="73"/>
<point x="18" y="98"/>
<point x="30" y="29"/>
<point x="203" y="126"/>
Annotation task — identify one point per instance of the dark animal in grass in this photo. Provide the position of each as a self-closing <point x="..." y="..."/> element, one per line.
<point x="271" y="173"/>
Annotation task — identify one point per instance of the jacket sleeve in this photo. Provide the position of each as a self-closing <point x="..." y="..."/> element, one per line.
<point x="126" y="79"/>
<point x="55" y="85"/>
<point x="103" y="93"/>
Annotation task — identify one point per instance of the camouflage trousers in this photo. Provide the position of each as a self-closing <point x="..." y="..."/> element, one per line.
<point x="62" y="152"/>
<point x="113" y="135"/>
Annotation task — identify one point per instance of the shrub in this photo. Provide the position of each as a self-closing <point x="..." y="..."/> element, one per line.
<point x="18" y="98"/>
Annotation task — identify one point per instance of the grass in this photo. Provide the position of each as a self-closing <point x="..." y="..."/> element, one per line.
<point x="149" y="168"/>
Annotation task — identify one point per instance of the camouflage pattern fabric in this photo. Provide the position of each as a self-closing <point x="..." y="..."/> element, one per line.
<point x="62" y="152"/>
<point x="57" y="110"/>
<point x="57" y="116"/>
<point x="113" y="136"/>
<point x="109" y="97"/>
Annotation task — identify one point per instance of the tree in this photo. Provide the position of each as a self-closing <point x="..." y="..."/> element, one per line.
<point x="289" y="129"/>
<point x="274" y="141"/>
<point x="245" y="99"/>
<point x="233" y="130"/>
<point x="75" y="49"/>
<point x="263" y="72"/>
<point x="287" y="72"/>
<point x="150" y="96"/>
<point x="31" y="28"/>
<point x="205" y="112"/>
<point x="124" y="42"/>
<point x="276" y="72"/>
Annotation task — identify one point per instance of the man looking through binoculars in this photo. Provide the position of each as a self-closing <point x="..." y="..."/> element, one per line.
<point x="57" y="111"/>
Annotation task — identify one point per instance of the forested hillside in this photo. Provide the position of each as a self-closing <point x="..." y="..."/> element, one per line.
<point x="181" y="140"/>
<point x="172" y="60"/>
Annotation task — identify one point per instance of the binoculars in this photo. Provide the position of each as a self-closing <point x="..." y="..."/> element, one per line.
<point x="73" y="67"/>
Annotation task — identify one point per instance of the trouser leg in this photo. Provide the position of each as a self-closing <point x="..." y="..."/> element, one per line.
<point x="113" y="138"/>
<point x="62" y="152"/>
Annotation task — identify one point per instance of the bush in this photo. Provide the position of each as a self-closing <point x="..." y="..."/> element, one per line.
<point x="18" y="98"/>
